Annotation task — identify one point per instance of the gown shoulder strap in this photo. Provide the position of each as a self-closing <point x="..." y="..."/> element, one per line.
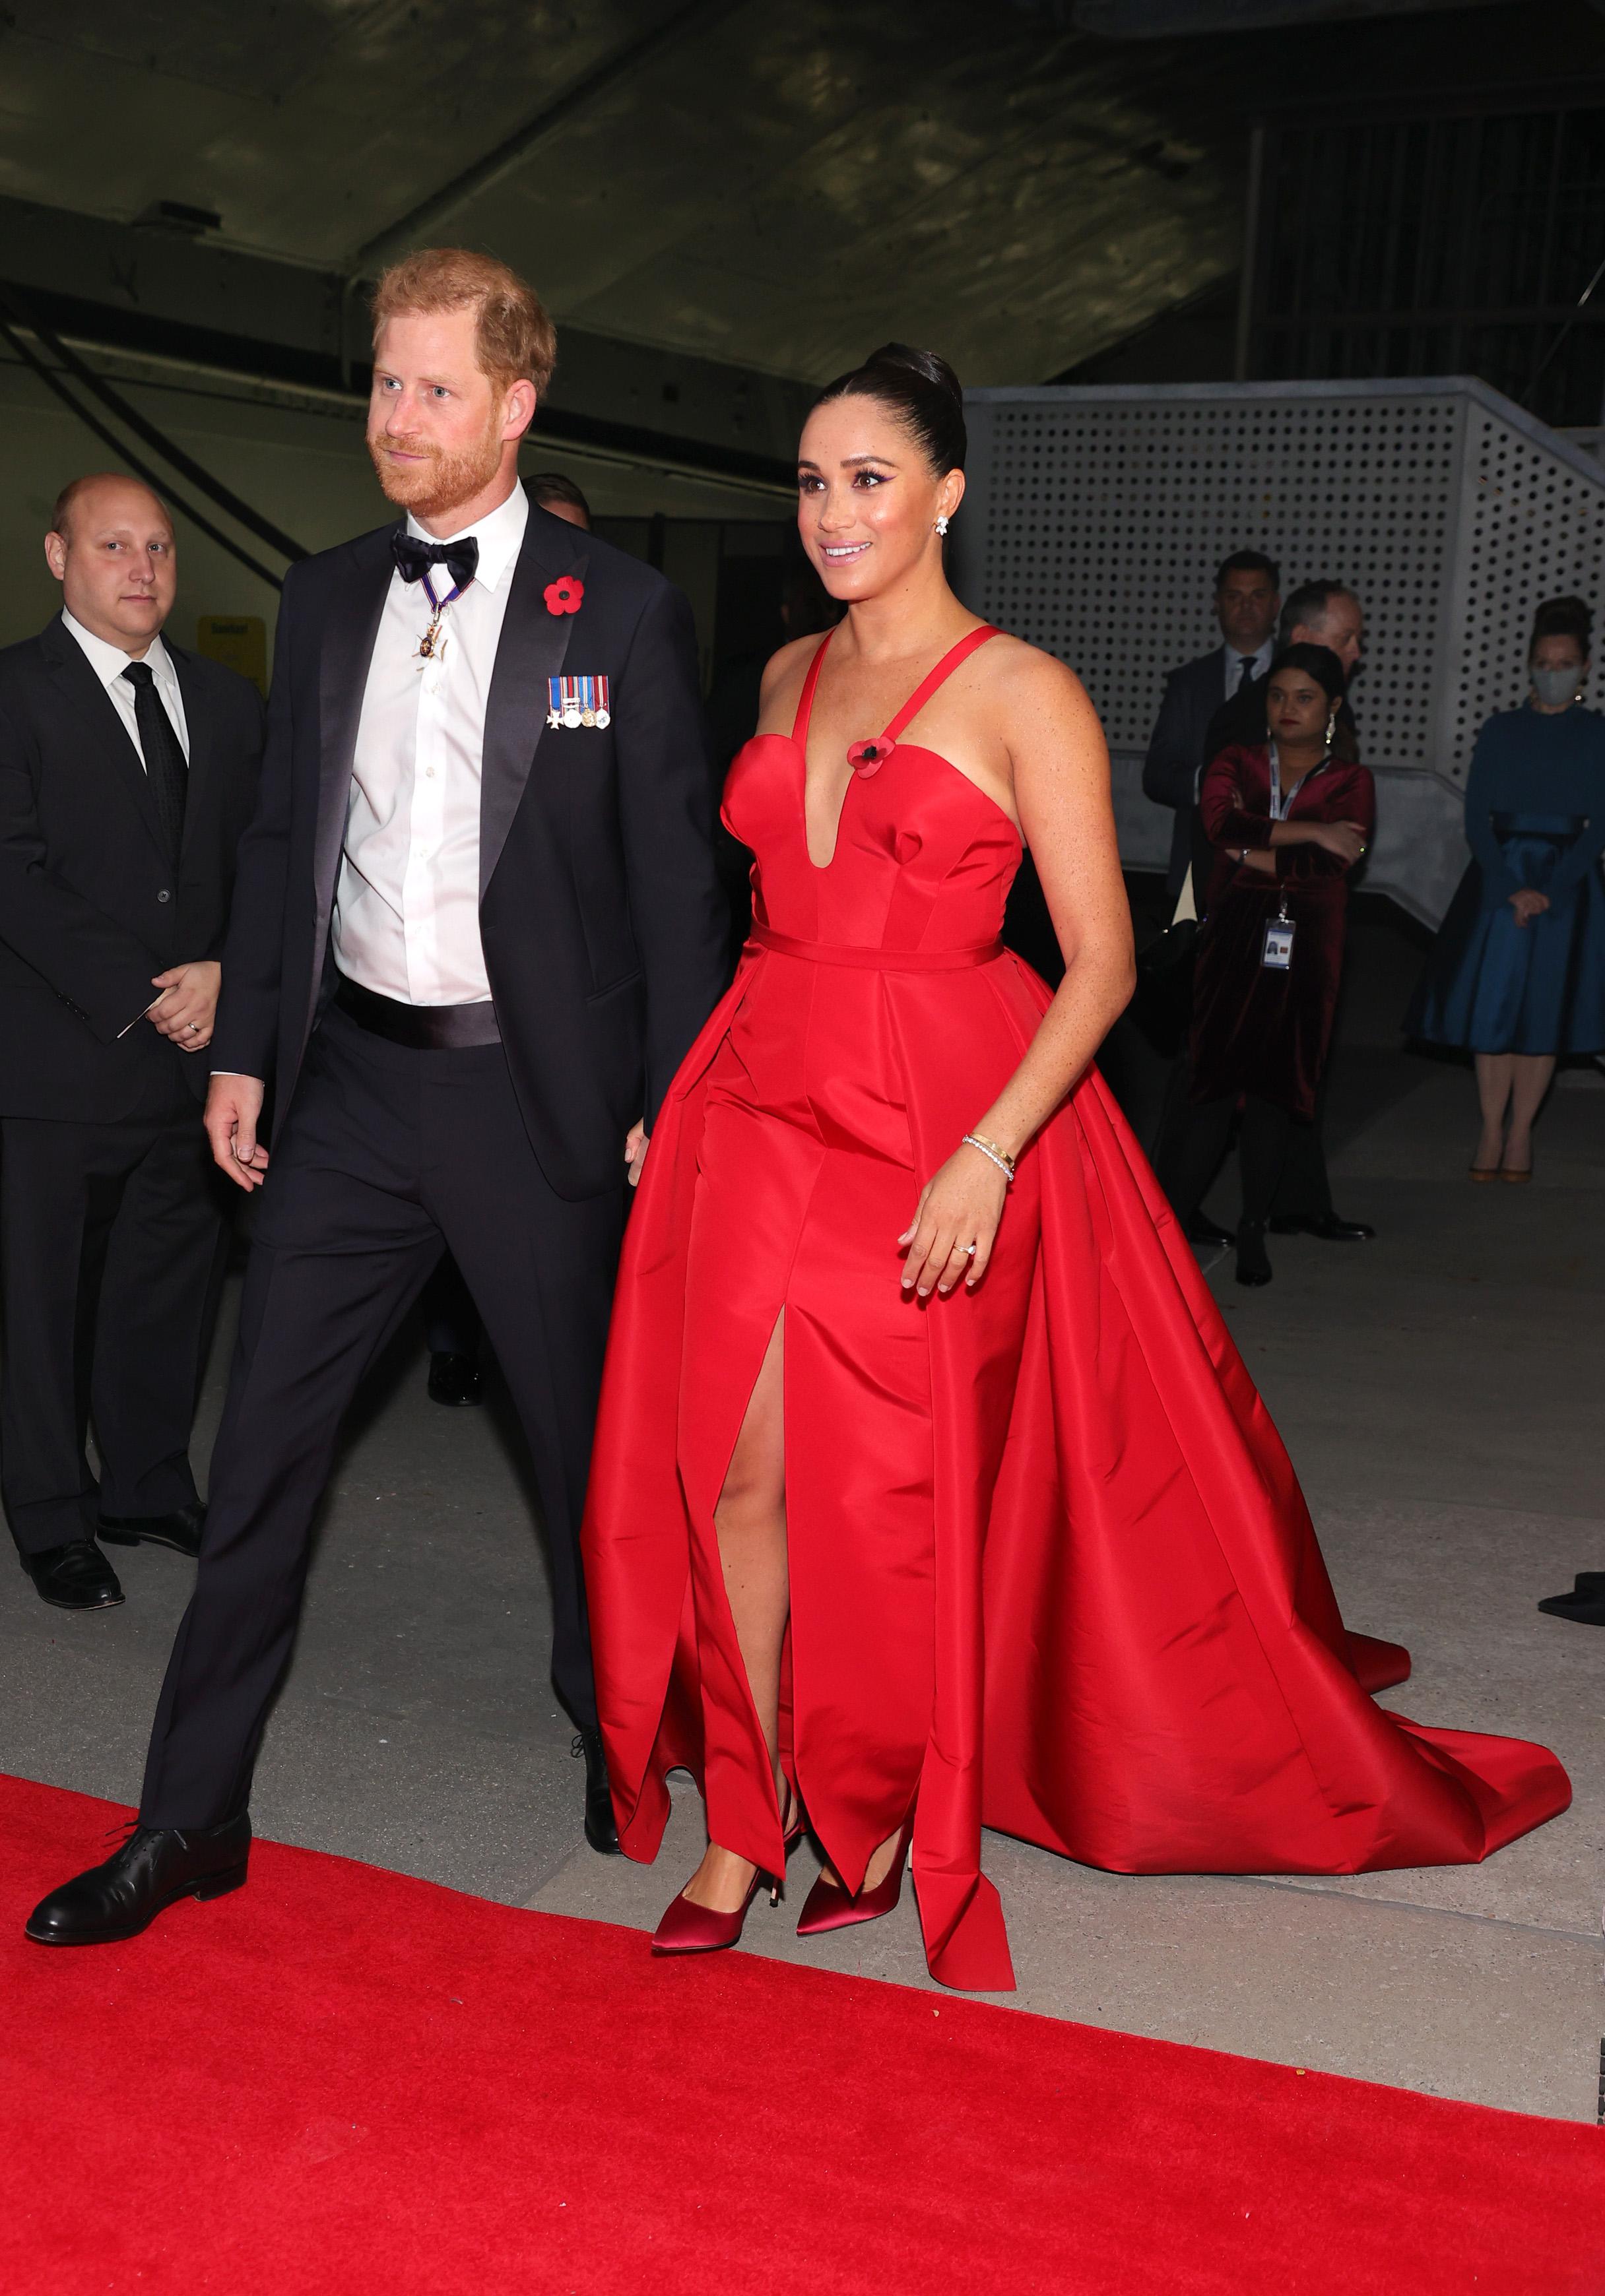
<point x="805" y="700"/>
<point x="944" y="669"/>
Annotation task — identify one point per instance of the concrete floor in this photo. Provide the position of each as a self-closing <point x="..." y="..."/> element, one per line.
<point x="1438" y="1391"/>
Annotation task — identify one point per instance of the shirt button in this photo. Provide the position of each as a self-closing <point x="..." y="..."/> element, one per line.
<point x="164" y="896"/>
<point x="429" y="772"/>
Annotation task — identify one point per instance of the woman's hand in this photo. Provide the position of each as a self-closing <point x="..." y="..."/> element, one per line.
<point x="1528" y="902"/>
<point x="1344" y="839"/>
<point x="960" y="1206"/>
<point x="635" y="1153"/>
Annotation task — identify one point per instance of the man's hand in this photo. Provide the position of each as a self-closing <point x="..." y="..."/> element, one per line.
<point x="635" y="1153"/>
<point x="233" y="1106"/>
<point x="188" y="1004"/>
<point x="1528" y="903"/>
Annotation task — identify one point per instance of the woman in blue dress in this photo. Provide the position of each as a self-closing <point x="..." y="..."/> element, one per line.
<point x="1518" y="971"/>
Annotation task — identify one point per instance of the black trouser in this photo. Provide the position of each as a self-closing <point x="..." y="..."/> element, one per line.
<point x="1304" y="1188"/>
<point x="1201" y="1143"/>
<point x="113" y="1242"/>
<point x="451" y="1321"/>
<point x="387" y="1151"/>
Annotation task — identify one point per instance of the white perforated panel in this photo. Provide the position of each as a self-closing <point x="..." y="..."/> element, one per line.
<point x="1095" y="520"/>
<point x="1533" y="528"/>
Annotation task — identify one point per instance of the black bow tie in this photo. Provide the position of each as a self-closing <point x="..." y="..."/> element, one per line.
<point x="414" y="558"/>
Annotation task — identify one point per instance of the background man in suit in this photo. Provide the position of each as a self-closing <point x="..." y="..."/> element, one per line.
<point x="128" y="773"/>
<point x="474" y="935"/>
<point x="1245" y="605"/>
<point x="452" y="1329"/>
<point x="1325" y="613"/>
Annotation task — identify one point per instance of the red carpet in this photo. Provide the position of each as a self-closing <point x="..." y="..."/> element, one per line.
<point x="341" y="2081"/>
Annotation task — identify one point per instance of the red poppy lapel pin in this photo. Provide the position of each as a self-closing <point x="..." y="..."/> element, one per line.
<point x="565" y="595"/>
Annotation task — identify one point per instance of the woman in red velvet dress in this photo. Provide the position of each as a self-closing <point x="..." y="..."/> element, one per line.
<point x="928" y="1487"/>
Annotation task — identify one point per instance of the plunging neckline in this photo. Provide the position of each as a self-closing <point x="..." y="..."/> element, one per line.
<point x="967" y="644"/>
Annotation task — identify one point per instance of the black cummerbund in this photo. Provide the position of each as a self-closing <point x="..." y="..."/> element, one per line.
<point x="424" y="1027"/>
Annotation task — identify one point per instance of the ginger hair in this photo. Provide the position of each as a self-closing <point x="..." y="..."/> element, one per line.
<point x="515" y="340"/>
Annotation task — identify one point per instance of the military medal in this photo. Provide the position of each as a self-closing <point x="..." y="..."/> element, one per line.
<point x="431" y="645"/>
<point x="576" y="701"/>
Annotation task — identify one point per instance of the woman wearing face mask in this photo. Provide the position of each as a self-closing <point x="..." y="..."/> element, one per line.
<point x="1289" y="820"/>
<point x="921" y="1437"/>
<point x="1518" y="971"/>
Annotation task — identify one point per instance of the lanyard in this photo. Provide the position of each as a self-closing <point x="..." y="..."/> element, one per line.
<point x="1281" y="806"/>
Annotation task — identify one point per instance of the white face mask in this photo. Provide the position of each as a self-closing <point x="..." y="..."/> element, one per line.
<point x="1556" y="687"/>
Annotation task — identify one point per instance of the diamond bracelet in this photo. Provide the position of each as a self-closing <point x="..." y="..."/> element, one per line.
<point x="989" y="1149"/>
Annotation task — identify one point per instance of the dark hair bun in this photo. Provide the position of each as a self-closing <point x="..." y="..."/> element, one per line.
<point x="1564" y="618"/>
<point x="921" y="390"/>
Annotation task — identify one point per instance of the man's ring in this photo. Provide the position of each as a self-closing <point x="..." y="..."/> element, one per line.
<point x="194" y="1027"/>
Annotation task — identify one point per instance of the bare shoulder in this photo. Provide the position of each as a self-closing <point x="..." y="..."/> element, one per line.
<point x="782" y="683"/>
<point x="1036" y="694"/>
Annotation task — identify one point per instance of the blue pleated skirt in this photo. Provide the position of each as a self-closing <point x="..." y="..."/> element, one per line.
<point x="1500" y="987"/>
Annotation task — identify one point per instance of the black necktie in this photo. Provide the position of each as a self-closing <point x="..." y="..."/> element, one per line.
<point x="1245" y="671"/>
<point x="414" y="558"/>
<point x="167" y="769"/>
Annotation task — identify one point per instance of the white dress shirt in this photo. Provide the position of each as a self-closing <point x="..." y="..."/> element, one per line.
<point x="1237" y="677"/>
<point x="407" y="903"/>
<point x="109" y="662"/>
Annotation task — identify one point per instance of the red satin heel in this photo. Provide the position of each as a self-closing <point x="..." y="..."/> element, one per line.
<point x="829" y="1908"/>
<point x="686" y="1928"/>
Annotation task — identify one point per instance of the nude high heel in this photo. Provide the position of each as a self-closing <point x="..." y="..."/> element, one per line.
<point x="829" y="1908"/>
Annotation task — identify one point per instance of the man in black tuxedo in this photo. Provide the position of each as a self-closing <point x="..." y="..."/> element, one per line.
<point x="128" y="774"/>
<point x="1246" y="606"/>
<point x="476" y="928"/>
<point x="1325" y="613"/>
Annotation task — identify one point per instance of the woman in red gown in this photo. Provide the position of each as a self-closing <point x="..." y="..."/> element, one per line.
<point x="929" y="1489"/>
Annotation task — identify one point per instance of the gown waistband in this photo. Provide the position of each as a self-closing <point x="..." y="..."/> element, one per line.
<point x="876" y="960"/>
<point x="1556" y="828"/>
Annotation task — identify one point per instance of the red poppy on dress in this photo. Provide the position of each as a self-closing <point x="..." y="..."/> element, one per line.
<point x="867" y="757"/>
<point x="564" y="595"/>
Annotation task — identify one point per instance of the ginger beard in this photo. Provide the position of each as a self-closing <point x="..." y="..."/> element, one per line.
<point x="440" y="480"/>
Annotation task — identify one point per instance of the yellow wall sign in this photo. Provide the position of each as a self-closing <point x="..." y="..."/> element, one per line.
<point x="239" y="641"/>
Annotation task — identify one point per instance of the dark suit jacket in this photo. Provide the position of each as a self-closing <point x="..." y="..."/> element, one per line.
<point x="90" y="904"/>
<point x="1176" y="754"/>
<point x="600" y="915"/>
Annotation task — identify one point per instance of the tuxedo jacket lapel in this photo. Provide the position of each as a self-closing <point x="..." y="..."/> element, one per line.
<point x="97" y="713"/>
<point x="533" y="645"/>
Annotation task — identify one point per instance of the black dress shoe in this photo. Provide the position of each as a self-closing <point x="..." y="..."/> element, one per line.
<point x="455" y="1380"/>
<point x="76" y="1577"/>
<point x="1327" y="1226"/>
<point x="1253" y="1263"/>
<point x="157" y="1865"/>
<point x="181" y="1530"/>
<point x="1585" y="1606"/>
<point x="600" y="1829"/>
<point x="1201" y="1229"/>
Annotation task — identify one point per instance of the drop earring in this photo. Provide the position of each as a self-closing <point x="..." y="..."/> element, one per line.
<point x="942" y="524"/>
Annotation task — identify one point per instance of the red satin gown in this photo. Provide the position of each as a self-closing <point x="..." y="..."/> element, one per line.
<point x="1050" y="1567"/>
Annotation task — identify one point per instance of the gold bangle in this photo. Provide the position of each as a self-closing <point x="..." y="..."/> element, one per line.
<point x="1000" y="1157"/>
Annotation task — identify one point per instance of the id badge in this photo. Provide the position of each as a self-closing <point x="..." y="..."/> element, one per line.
<point x="1278" y="954"/>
